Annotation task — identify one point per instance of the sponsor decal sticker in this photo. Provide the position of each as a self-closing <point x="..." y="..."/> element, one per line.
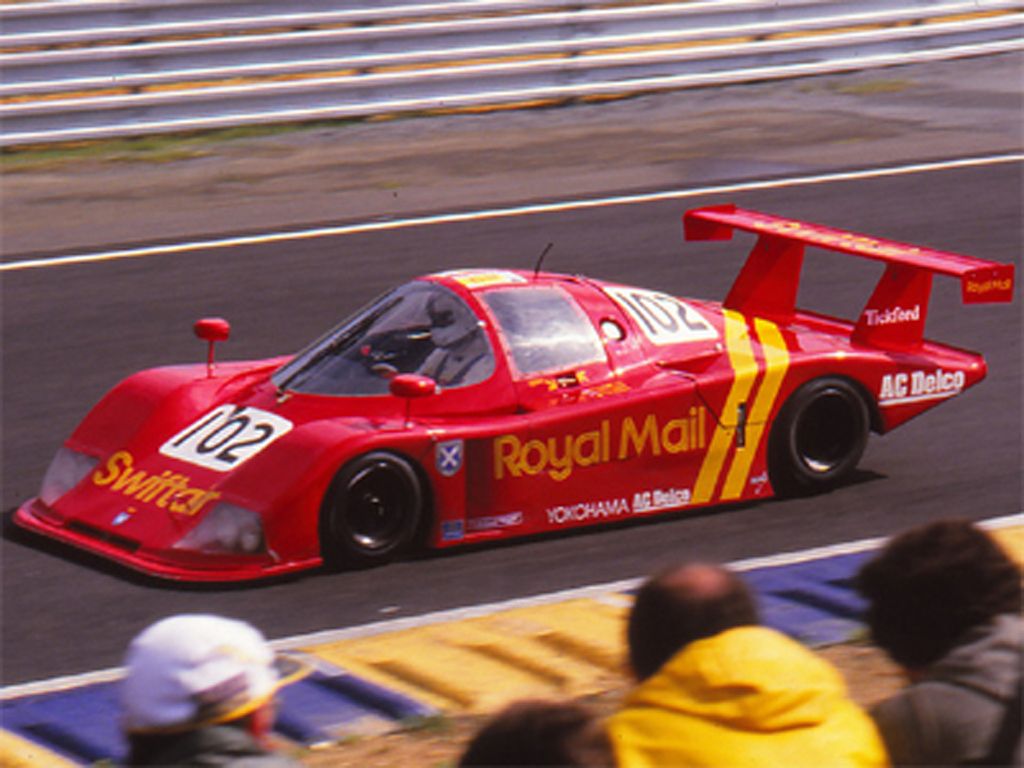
<point x="452" y="530"/>
<point x="490" y="523"/>
<point x="123" y="517"/>
<point x="479" y="278"/>
<point x="605" y="390"/>
<point x="662" y="318"/>
<point x="558" y="457"/>
<point x="918" y="386"/>
<point x="588" y="510"/>
<point x="760" y="483"/>
<point x="652" y="500"/>
<point x="226" y="437"/>
<point x="448" y="457"/>
<point x="980" y="288"/>
<point x="834" y="238"/>
<point x="168" y="490"/>
<point x="659" y="499"/>
<point x="892" y="315"/>
<point x="579" y="378"/>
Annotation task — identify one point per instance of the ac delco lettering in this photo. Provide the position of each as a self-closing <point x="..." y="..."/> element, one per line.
<point x="559" y="456"/>
<point x="658" y="499"/>
<point x="900" y="388"/>
<point x="166" y="490"/>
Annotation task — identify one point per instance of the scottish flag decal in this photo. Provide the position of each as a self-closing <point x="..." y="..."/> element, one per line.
<point x="448" y="457"/>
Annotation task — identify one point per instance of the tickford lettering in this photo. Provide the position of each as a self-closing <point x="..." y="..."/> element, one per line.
<point x="167" y="490"/>
<point x="920" y="385"/>
<point x="587" y="510"/>
<point x="558" y="457"/>
<point x="892" y="315"/>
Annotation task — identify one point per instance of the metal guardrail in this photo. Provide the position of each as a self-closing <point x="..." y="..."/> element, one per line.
<point x="102" y="69"/>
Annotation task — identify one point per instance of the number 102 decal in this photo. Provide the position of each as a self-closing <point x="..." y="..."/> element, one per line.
<point x="662" y="318"/>
<point x="225" y="437"/>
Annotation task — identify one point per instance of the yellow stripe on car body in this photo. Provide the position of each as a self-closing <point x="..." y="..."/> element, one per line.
<point x="745" y="369"/>
<point x="776" y="363"/>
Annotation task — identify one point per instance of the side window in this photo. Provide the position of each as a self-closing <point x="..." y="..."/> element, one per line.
<point x="544" y="329"/>
<point x="417" y="328"/>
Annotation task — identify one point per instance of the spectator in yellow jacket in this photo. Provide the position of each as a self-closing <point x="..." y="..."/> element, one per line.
<point x="716" y="689"/>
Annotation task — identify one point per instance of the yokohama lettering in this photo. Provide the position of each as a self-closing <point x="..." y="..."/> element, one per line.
<point x="588" y="510"/>
<point x="559" y="456"/>
<point x="167" y="490"/>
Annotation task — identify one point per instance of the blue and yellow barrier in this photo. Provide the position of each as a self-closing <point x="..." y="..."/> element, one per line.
<point x="471" y="661"/>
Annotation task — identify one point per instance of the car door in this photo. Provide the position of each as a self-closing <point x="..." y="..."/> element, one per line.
<point x="607" y="434"/>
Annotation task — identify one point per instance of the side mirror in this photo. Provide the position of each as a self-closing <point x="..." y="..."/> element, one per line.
<point x="212" y="330"/>
<point x="412" y="385"/>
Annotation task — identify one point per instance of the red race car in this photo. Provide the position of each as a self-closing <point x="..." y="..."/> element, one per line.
<point x="476" y="405"/>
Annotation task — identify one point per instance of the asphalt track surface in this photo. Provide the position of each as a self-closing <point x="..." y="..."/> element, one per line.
<point x="70" y="332"/>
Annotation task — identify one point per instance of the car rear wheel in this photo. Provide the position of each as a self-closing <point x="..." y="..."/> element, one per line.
<point x="818" y="437"/>
<point x="372" y="511"/>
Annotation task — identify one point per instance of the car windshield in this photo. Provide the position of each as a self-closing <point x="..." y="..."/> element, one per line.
<point x="544" y="329"/>
<point x="420" y="327"/>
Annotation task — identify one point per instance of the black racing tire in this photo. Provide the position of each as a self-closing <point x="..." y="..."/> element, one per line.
<point x="818" y="437"/>
<point x="372" y="512"/>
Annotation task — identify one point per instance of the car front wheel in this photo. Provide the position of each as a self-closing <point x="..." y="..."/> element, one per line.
<point x="818" y="437"/>
<point x="372" y="511"/>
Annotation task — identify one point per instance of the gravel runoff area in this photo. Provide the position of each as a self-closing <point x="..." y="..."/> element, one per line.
<point x="183" y="187"/>
<point x="439" y="743"/>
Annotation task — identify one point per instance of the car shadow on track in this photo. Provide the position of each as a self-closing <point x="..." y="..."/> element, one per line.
<point x="857" y="477"/>
<point x="22" y="538"/>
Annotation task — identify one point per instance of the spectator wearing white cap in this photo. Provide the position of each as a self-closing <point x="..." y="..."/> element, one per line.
<point x="199" y="691"/>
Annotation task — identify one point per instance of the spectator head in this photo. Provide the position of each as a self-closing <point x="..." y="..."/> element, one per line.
<point x="191" y="671"/>
<point x="683" y="604"/>
<point x="931" y="584"/>
<point x="540" y="733"/>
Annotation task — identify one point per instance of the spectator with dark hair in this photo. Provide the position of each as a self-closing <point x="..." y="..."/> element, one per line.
<point x="944" y="602"/>
<point x="716" y="689"/>
<point x="540" y="733"/>
<point x="199" y="690"/>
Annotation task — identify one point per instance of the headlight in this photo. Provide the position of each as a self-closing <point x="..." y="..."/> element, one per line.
<point x="67" y="470"/>
<point x="226" y="529"/>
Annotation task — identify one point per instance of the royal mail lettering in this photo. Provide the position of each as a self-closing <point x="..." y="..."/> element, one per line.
<point x="559" y="456"/>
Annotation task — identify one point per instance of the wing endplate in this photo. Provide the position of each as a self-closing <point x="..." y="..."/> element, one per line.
<point x="894" y="316"/>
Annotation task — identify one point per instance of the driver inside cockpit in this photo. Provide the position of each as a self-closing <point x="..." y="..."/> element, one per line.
<point x="461" y="353"/>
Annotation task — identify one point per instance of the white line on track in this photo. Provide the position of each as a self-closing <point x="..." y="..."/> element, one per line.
<point x="499" y="213"/>
<point x="597" y="591"/>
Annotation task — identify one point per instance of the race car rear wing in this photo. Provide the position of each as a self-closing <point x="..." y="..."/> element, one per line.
<point x="894" y="316"/>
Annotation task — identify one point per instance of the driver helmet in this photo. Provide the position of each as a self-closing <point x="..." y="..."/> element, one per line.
<point x="450" y="321"/>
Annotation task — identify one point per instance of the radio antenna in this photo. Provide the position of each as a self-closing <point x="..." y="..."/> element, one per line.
<point x="540" y="260"/>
